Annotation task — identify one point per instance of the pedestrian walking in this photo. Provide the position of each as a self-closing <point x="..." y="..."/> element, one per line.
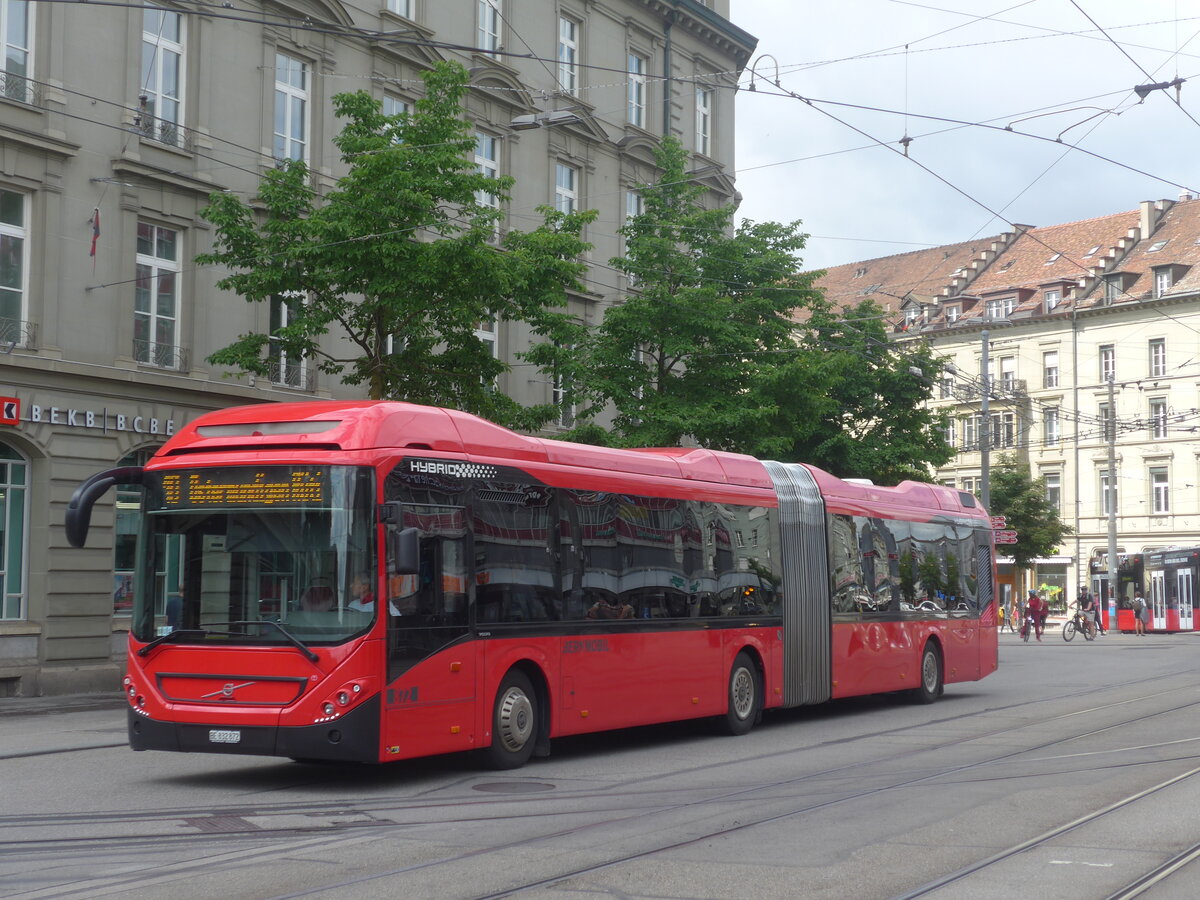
<point x="1140" y="613"/>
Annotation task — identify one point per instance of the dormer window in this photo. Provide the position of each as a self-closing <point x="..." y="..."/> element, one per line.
<point x="1112" y="287"/>
<point x="1052" y="298"/>
<point x="861" y="272"/>
<point x="952" y="313"/>
<point x="1163" y="279"/>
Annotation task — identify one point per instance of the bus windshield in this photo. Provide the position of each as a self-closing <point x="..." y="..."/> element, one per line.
<point x="261" y="555"/>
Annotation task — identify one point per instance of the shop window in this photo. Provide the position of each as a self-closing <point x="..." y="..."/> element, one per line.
<point x="14" y="514"/>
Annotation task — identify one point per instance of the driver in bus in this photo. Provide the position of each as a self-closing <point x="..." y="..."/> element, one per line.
<point x="317" y="598"/>
<point x="362" y="598"/>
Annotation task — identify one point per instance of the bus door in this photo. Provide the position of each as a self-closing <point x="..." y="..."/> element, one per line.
<point x="429" y="703"/>
<point x="1185" y="591"/>
<point x="1158" y="600"/>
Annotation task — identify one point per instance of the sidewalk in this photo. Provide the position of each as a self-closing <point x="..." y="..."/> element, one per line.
<point x="32" y="706"/>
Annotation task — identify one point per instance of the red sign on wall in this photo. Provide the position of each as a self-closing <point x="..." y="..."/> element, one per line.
<point x="10" y="411"/>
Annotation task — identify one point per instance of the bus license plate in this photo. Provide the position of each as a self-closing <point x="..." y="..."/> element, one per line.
<point x="216" y="736"/>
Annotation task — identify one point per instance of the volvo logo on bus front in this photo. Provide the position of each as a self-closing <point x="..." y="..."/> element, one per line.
<point x="226" y="691"/>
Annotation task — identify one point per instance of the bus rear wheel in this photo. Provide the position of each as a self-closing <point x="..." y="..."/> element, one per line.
<point x="514" y="722"/>
<point x="745" y="695"/>
<point x="931" y="676"/>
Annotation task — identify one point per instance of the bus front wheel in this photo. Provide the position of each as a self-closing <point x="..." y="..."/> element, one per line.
<point x="514" y="722"/>
<point x="745" y="695"/>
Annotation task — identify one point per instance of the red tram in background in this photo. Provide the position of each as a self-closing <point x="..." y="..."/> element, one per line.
<point x="379" y="581"/>
<point x="1167" y="579"/>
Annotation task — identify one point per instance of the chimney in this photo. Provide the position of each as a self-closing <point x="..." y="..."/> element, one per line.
<point x="1147" y="218"/>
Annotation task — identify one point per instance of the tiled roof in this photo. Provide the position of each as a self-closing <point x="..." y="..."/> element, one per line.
<point x="1073" y="258"/>
<point x="921" y="274"/>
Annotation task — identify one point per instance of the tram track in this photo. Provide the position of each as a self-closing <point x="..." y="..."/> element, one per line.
<point x="352" y="822"/>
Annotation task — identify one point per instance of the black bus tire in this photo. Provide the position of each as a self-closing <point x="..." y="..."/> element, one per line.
<point x="931" y="675"/>
<point x="744" y="695"/>
<point x="514" y="722"/>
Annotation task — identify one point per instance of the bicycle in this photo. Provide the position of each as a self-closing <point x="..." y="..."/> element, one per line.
<point x="1083" y="622"/>
<point x="1028" y="628"/>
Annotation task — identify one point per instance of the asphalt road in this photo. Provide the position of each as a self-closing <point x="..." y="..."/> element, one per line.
<point x="1074" y="772"/>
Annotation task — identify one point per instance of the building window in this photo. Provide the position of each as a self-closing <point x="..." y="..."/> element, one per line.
<point x="13" y="266"/>
<point x="1162" y="281"/>
<point x="634" y="207"/>
<point x="14" y="514"/>
<point x="487" y="163"/>
<point x="485" y="332"/>
<point x="971" y="485"/>
<point x="1008" y="373"/>
<point x="704" y="98"/>
<point x="1050" y="426"/>
<point x="1053" y="482"/>
<point x="971" y="432"/>
<point x="946" y="389"/>
<point x="1108" y="362"/>
<point x="568" y="56"/>
<point x="18" y="51"/>
<point x="952" y="313"/>
<point x="394" y="106"/>
<point x="156" y="297"/>
<point x="291" y="108"/>
<point x="162" y="73"/>
<point x="566" y="188"/>
<point x="287" y="369"/>
<point x="1004" y="429"/>
<point x="1160" y="490"/>
<point x="1158" y="417"/>
<point x="401" y="7"/>
<point x="1158" y="358"/>
<point x="1108" y="493"/>
<point x="1052" y="299"/>
<point x="1107" y="423"/>
<point x="636" y="105"/>
<point x="1112" y="287"/>
<point x="948" y="435"/>
<point x="1050" y="369"/>
<point x="487" y="25"/>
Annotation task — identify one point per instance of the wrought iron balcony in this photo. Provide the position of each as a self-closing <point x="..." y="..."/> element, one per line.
<point x="298" y="375"/>
<point x="163" y="131"/>
<point x="19" y="88"/>
<point x="17" y="333"/>
<point x="164" y="356"/>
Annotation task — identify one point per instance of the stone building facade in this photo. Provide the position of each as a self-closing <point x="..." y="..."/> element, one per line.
<point x="108" y="155"/>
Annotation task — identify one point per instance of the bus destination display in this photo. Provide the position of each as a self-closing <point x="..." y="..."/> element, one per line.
<point x="245" y="486"/>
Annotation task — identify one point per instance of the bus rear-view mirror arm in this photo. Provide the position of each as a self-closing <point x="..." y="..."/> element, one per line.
<point x="79" y="509"/>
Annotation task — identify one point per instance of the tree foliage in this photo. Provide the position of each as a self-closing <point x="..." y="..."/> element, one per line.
<point x="859" y="402"/>
<point x="1021" y="499"/>
<point x="400" y="260"/>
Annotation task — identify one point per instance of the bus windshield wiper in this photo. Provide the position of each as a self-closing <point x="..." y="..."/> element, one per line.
<point x="291" y="638"/>
<point x="172" y="636"/>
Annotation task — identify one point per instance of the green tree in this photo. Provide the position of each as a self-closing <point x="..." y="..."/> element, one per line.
<point x="400" y="260"/>
<point x="709" y="313"/>
<point x="861" y="401"/>
<point x="1021" y="499"/>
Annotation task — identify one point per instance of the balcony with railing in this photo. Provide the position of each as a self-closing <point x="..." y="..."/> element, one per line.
<point x="299" y="376"/>
<point x="16" y="333"/>
<point x="162" y="356"/>
<point x="164" y="131"/>
<point x="20" y="89"/>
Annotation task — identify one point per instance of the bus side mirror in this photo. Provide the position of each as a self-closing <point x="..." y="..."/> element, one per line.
<point x="79" y="509"/>
<point x="404" y="552"/>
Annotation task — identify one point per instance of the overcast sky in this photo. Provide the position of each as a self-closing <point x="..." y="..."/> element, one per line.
<point x="973" y="61"/>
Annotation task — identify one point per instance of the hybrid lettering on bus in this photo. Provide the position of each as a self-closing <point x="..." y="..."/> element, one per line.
<point x="377" y="581"/>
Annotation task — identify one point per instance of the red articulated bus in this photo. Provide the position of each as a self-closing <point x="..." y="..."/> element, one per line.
<point x="377" y="581"/>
